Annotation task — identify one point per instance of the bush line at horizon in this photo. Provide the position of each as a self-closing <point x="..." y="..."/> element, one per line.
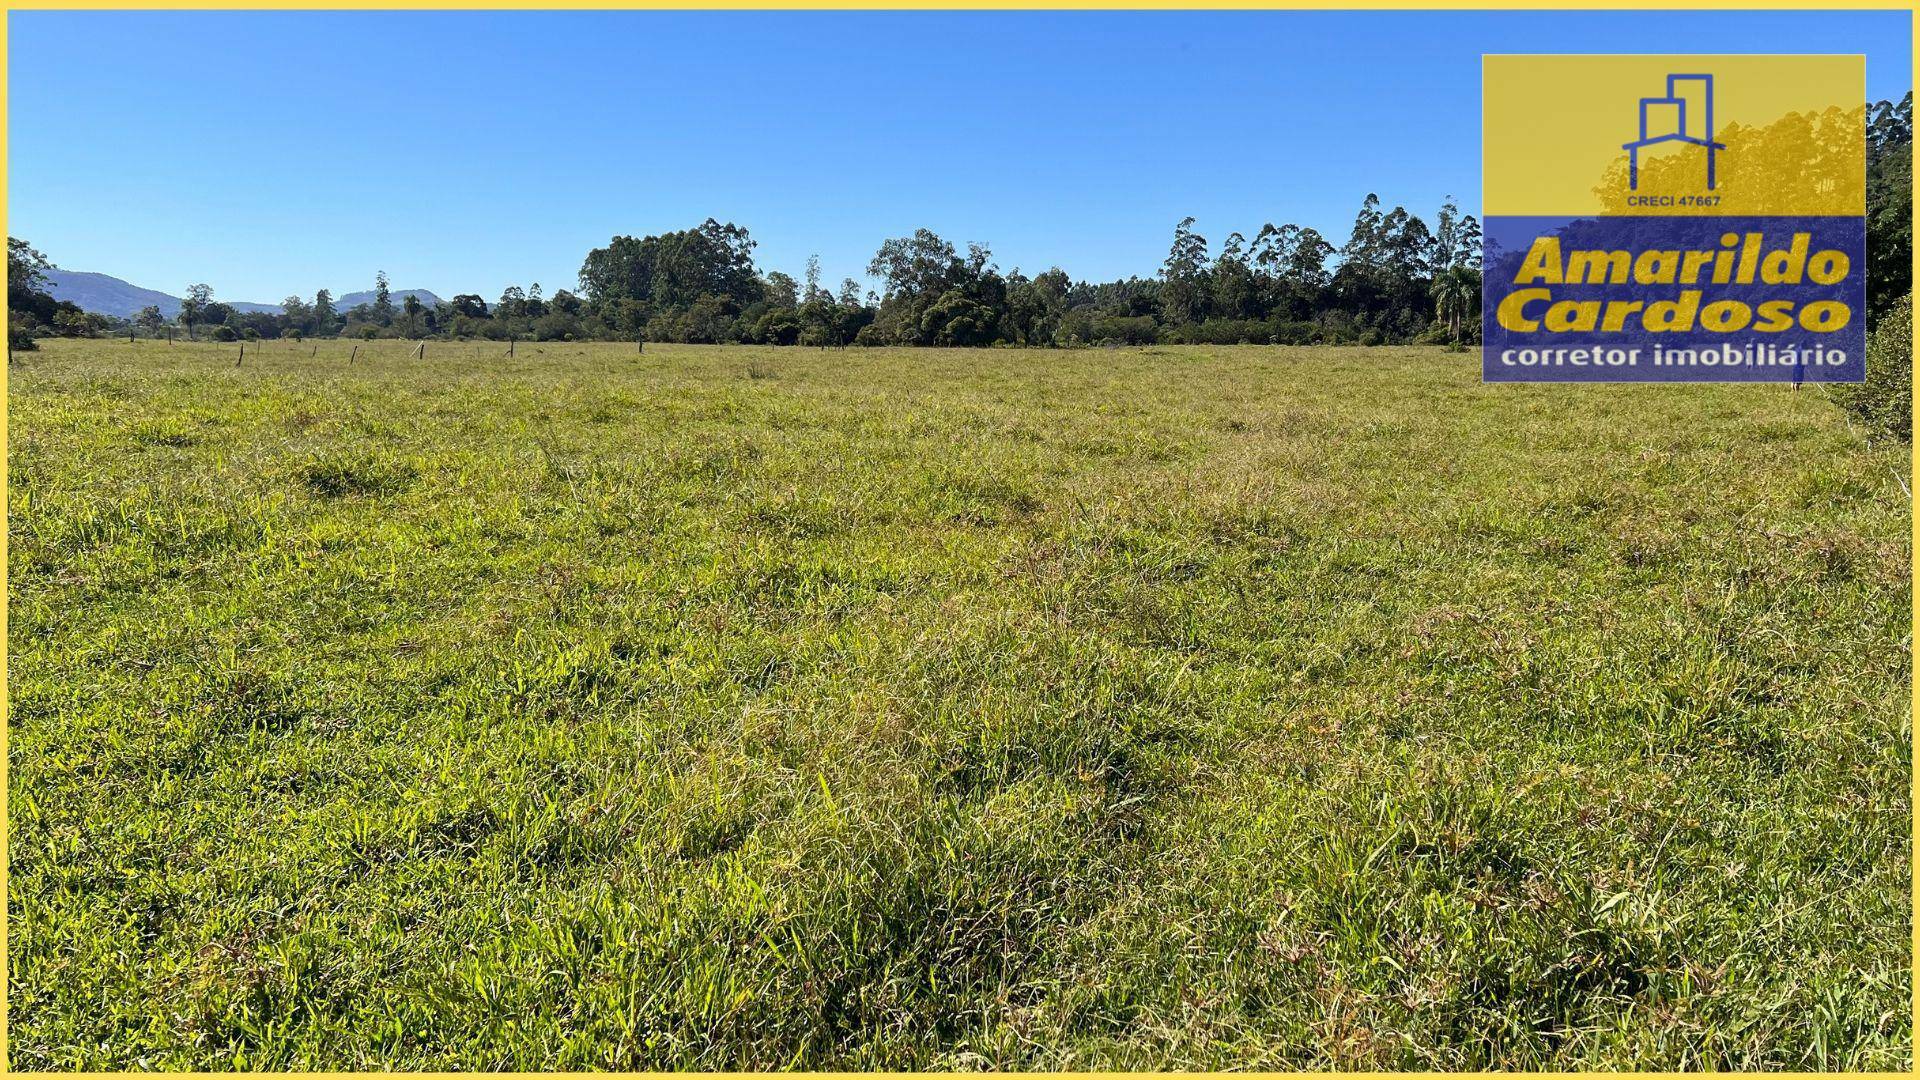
<point x="744" y="707"/>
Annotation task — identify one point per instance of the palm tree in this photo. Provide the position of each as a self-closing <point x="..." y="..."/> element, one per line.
<point x="1454" y="291"/>
<point x="411" y="308"/>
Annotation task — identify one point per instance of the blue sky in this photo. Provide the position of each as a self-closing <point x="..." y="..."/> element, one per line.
<point x="270" y="153"/>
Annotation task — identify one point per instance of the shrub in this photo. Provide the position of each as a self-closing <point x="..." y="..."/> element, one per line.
<point x="1222" y="332"/>
<point x="1084" y="326"/>
<point x="1244" y="332"/>
<point x="224" y="333"/>
<point x="72" y="322"/>
<point x="554" y="327"/>
<point x="1884" y="402"/>
<point x="1125" y="330"/>
<point x="778" y="327"/>
<point x="1295" y="333"/>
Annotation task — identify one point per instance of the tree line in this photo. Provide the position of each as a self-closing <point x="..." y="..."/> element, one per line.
<point x="1396" y="278"/>
<point x="701" y="285"/>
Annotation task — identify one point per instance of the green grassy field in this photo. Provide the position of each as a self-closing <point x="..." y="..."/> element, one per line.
<point x="724" y="707"/>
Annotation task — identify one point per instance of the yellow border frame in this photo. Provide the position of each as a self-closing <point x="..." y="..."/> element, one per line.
<point x="1913" y="956"/>
<point x="1811" y="6"/>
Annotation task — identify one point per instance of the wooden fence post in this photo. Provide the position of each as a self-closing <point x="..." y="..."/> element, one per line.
<point x="243" y="355"/>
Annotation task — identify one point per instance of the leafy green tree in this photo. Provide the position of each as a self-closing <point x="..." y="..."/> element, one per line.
<point x="818" y="319"/>
<point x="1290" y="265"/>
<point x="1036" y="307"/>
<point x="510" y="312"/>
<point x="707" y="321"/>
<point x="150" y="320"/>
<point x="295" y="313"/>
<point x="781" y="290"/>
<point x="72" y="322"/>
<point x="28" y="303"/>
<point x="958" y="319"/>
<point x="1889" y="205"/>
<point x="669" y="273"/>
<point x="1467" y="243"/>
<point x="813" y="276"/>
<point x="778" y="326"/>
<point x="26" y="268"/>
<point x="1456" y="239"/>
<point x="325" y="320"/>
<point x="193" y="306"/>
<point x="1183" y="294"/>
<point x="1234" y="291"/>
<point x="851" y="313"/>
<point x="1385" y="271"/>
<point x="915" y="265"/>
<point x="382" y="300"/>
<point x="922" y="272"/>
<point x="1366" y="244"/>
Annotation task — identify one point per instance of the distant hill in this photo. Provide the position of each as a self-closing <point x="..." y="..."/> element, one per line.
<point x="109" y="295"/>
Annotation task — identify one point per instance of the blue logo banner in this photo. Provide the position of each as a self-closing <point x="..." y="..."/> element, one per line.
<point x="1675" y="299"/>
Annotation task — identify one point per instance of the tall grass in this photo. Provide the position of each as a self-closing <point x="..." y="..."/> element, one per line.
<point x="1182" y="707"/>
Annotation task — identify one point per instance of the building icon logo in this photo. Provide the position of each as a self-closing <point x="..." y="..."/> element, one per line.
<point x="1666" y="119"/>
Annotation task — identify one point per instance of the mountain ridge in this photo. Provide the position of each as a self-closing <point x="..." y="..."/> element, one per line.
<point x="109" y="295"/>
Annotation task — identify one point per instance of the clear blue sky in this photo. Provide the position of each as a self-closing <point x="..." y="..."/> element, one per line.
<point x="283" y="152"/>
